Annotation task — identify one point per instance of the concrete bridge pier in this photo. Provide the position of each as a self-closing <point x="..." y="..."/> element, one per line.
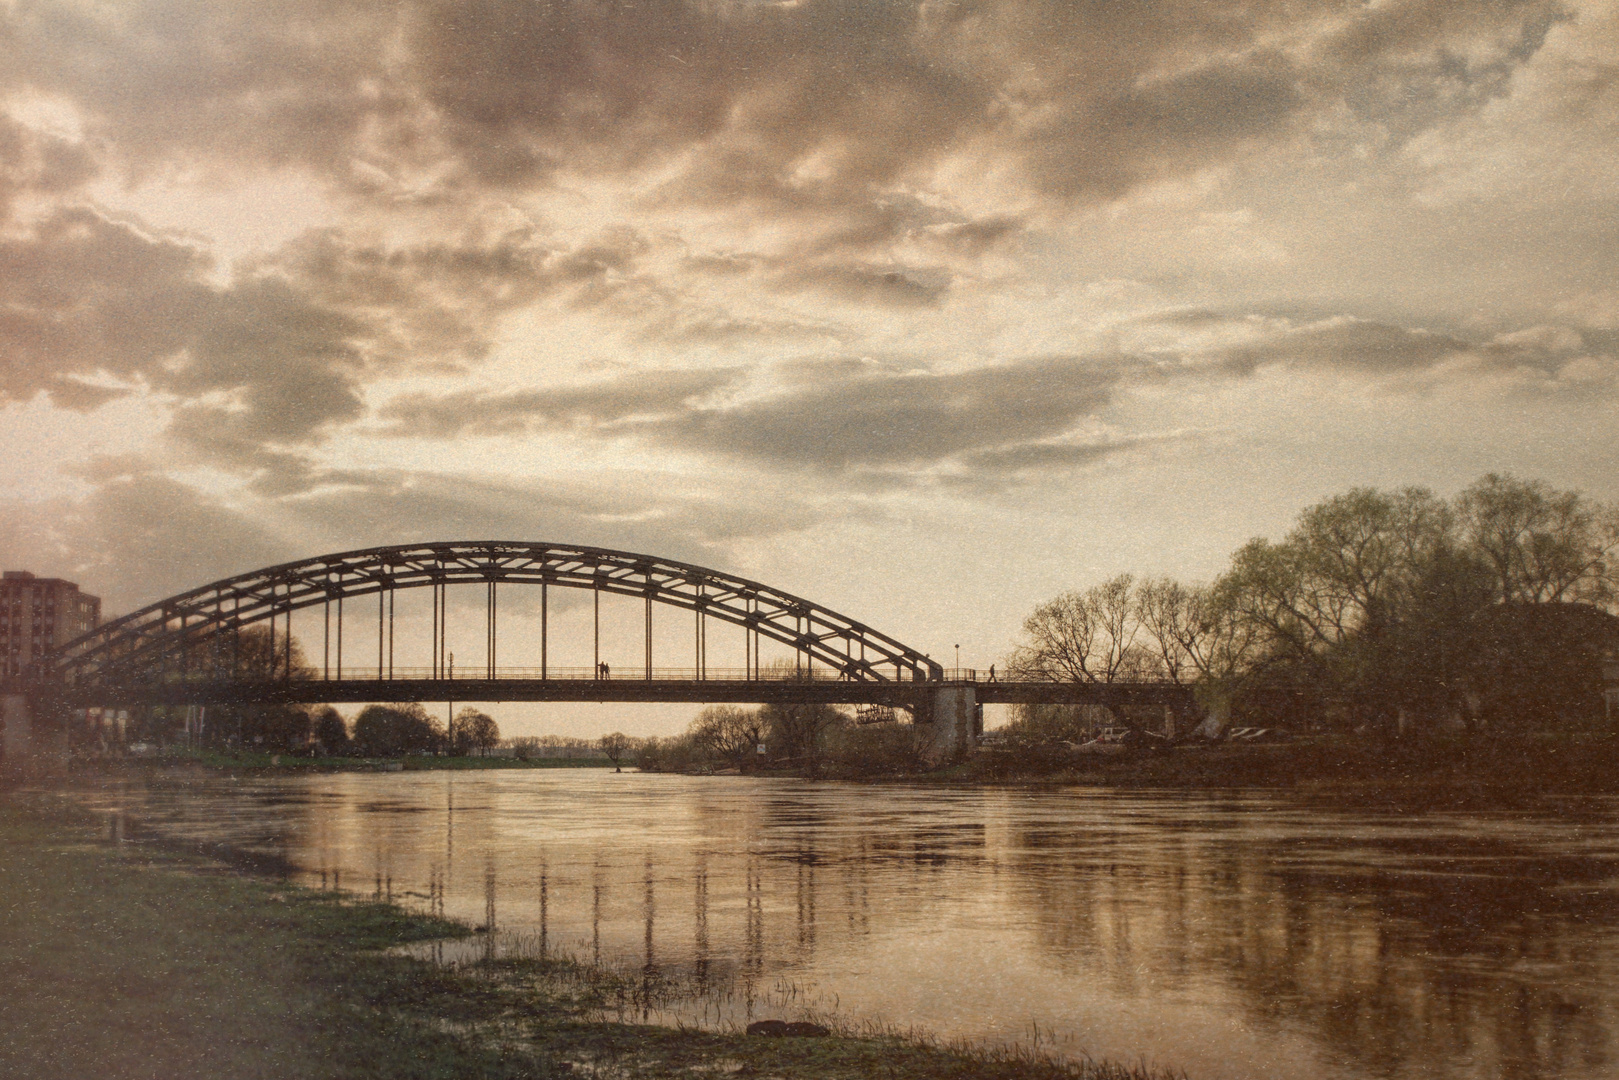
<point x="951" y="724"/>
<point x="28" y="744"/>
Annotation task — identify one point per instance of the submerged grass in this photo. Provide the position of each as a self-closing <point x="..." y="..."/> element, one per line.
<point x="127" y="959"/>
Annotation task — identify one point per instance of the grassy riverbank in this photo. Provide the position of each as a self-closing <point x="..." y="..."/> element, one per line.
<point x="135" y="960"/>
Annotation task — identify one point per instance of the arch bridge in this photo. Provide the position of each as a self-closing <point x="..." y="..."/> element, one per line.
<point x="192" y="649"/>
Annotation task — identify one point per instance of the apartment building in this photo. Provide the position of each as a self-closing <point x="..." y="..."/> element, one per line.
<point x="38" y="614"/>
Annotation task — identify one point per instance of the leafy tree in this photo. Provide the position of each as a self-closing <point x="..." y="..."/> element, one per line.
<point x="250" y="653"/>
<point x="473" y="729"/>
<point x="1533" y="666"/>
<point x="392" y="730"/>
<point x="331" y="731"/>
<point x="1366" y="610"/>
<point x="1542" y="545"/>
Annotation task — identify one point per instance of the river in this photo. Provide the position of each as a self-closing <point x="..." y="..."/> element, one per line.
<point x="1229" y="934"/>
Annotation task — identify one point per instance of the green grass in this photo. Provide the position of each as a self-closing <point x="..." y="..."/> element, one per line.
<point x="130" y="960"/>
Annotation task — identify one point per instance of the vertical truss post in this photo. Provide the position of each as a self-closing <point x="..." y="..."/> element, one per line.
<point x="339" y="635"/>
<point x="390" y="632"/>
<point x="544" y="629"/>
<point x="649" y="635"/>
<point x="382" y="636"/>
<point x="596" y="631"/>
<point x="489" y="631"/>
<point x="326" y="639"/>
<point x="432" y="659"/>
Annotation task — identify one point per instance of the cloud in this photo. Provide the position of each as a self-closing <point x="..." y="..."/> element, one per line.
<point x="36" y="164"/>
<point x="1346" y="343"/>
<point x="90" y="307"/>
<point x="867" y="414"/>
<point x="810" y="107"/>
<point x="591" y="405"/>
<point x="875" y="285"/>
<point x="138" y="536"/>
<point x="1036" y="457"/>
<point x="823" y="413"/>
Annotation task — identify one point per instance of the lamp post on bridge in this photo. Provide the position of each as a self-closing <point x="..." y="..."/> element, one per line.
<point x="958" y="663"/>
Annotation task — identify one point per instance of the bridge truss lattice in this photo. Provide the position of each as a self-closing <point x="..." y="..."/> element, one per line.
<point x="196" y="634"/>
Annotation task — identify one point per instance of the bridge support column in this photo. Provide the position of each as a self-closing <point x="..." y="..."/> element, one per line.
<point x="952" y="726"/>
<point x="29" y="745"/>
<point x="18" y="718"/>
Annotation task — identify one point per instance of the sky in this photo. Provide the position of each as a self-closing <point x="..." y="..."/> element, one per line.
<point x="926" y="311"/>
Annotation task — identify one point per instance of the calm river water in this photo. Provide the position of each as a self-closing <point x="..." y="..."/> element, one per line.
<point x="1229" y="935"/>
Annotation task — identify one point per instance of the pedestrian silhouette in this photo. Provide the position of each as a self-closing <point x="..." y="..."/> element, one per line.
<point x="992" y="673"/>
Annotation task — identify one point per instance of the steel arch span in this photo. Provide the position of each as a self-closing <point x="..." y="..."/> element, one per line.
<point x="177" y="633"/>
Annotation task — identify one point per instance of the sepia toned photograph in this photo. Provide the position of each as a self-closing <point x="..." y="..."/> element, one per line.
<point x="809" y="539"/>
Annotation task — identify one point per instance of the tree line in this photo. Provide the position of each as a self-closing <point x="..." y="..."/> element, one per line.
<point x="1382" y="610"/>
<point x="797" y="735"/>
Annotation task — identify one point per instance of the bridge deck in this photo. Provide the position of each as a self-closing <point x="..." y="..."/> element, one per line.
<point x="707" y="691"/>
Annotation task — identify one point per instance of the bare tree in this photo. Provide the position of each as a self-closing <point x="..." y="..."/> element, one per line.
<point x="615" y="746"/>
<point x="1085" y="636"/>
<point x="1194" y="630"/>
<point x="728" y="732"/>
<point x="795" y="728"/>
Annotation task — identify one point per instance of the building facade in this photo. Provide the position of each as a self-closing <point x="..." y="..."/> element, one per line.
<point x="37" y="615"/>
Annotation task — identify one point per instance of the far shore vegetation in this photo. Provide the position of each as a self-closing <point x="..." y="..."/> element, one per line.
<point x="1390" y="640"/>
<point x="127" y="957"/>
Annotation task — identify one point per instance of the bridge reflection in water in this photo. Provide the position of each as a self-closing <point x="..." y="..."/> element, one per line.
<point x="1232" y="936"/>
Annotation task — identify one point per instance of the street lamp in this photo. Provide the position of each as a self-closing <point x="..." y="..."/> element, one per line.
<point x="958" y="661"/>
